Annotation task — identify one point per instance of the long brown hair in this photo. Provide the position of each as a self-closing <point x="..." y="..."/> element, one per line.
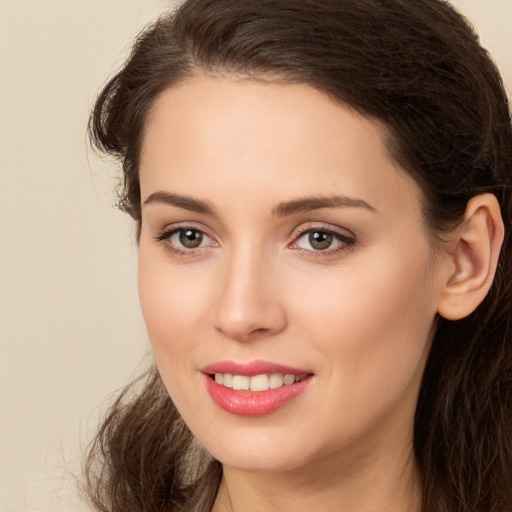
<point x="415" y="65"/>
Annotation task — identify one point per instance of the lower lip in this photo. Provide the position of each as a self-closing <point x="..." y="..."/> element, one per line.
<point x="254" y="403"/>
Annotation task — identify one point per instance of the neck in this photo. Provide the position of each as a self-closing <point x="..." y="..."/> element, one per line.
<point x="357" y="483"/>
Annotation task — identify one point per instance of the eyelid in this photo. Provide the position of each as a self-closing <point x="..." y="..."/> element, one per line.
<point x="322" y="226"/>
<point x="347" y="239"/>
<point x="178" y="226"/>
<point x="169" y="231"/>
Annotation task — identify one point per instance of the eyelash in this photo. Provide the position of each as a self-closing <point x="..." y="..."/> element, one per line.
<point x="165" y="236"/>
<point x="346" y="241"/>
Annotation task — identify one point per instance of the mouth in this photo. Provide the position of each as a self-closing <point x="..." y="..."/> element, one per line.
<point x="254" y="389"/>
<point x="256" y="383"/>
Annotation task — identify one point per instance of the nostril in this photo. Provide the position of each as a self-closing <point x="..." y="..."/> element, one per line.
<point x="260" y="330"/>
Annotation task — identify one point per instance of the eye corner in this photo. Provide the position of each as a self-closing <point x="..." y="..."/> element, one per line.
<point x="322" y="241"/>
<point x="185" y="240"/>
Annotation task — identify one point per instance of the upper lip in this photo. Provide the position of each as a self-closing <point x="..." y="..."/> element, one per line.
<point x="252" y="368"/>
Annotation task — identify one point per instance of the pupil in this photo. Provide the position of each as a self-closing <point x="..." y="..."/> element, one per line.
<point x="319" y="240"/>
<point x="191" y="239"/>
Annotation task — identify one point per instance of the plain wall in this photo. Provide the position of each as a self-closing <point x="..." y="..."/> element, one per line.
<point x="71" y="332"/>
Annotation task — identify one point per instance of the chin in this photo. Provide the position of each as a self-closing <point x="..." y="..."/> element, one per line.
<point x="262" y="462"/>
<point x="258" y="453"/>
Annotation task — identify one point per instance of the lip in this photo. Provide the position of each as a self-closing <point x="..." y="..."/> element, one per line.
<point x="252" y="368"/>
<point x="253" y="403"/>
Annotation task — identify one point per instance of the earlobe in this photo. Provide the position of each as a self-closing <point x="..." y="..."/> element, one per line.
<point x="473" y="259"/>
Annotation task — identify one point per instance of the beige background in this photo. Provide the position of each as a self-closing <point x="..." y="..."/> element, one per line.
<point x="70" y="327"/>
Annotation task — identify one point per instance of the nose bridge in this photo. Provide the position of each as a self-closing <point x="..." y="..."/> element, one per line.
<point x="248" y="303"/>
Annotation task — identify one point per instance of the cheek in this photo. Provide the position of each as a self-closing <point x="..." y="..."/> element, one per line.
<point x="373" y="326"/>
<point x="171" y="301"/>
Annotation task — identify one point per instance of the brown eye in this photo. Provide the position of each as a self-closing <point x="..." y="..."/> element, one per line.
<point x="323" y="241"/>
<point x="320" y="240"/>
<point x="185" y="241"/>
<point x="190" y="238"/>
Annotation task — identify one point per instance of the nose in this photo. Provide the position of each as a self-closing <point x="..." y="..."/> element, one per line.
<point x="248" y="301"/>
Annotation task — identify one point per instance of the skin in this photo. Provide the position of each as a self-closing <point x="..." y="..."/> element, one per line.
<point x="360" y="315"/>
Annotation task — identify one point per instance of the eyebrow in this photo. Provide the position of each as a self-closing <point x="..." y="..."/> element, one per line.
<point x="283" y="209"/>
<point x="315" y="203"/>
<point x="185" y="202"/>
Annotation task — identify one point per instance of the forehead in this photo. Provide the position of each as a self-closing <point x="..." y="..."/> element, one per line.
<point x="278" y="141"/>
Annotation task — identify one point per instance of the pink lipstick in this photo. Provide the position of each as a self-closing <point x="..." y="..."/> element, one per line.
<point x="256" y="388"/>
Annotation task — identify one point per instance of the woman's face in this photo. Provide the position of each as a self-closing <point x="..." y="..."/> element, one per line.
<point x="280" y="244"/>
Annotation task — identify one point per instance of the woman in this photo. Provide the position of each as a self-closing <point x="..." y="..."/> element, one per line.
<point x="321" y="192"/>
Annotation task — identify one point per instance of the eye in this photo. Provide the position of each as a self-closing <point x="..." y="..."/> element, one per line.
<point x="184" y="239"/>
<point x="323" y="240"/>
<point x="189" y="238"/>
<point x="317" y="240"/>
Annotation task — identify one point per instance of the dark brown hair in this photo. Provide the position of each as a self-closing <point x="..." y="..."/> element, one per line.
<point x="417" y="67"/>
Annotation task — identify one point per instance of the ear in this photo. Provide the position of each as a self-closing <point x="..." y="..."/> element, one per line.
<point x="473" y="257"/>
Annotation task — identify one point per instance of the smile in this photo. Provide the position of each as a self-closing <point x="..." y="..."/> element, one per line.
<point x="255" y="388"/>
<point x="262" y="382"/>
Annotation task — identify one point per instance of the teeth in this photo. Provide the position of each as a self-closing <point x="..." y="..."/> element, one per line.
<point x="241" y="382"/>
<point x="227" y="380"/>
<point x="289" y="379"/>
<point x="276" y="381"/>
<point x="258" y="382"/>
